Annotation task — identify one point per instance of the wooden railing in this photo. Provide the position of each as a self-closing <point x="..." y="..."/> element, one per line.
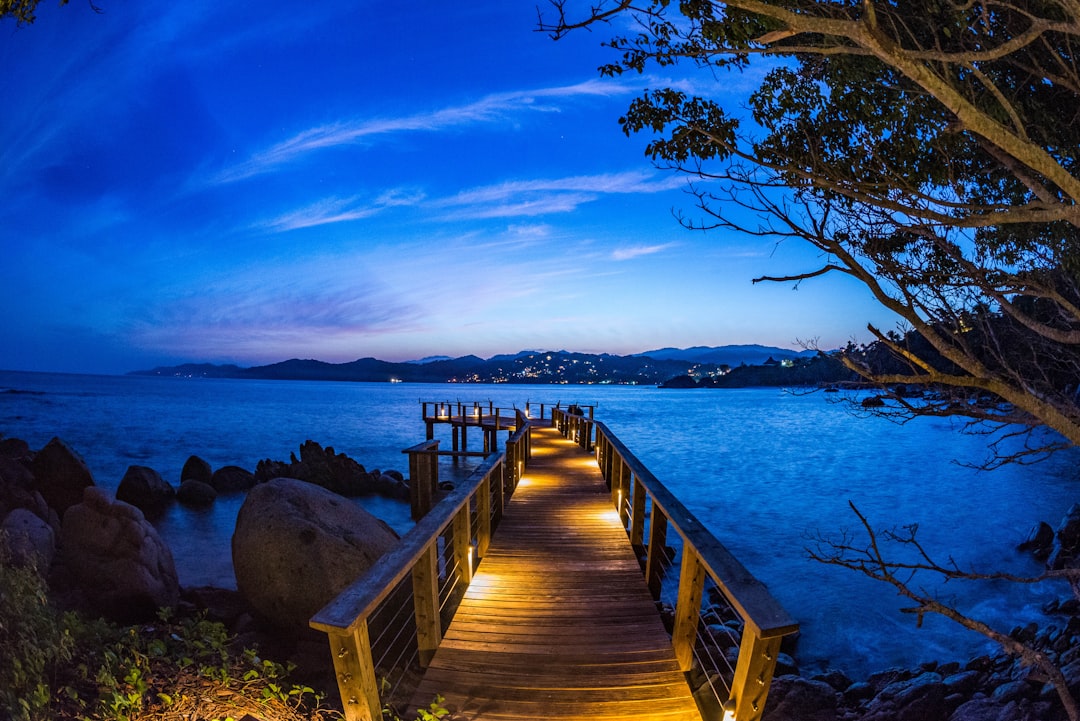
<point x="388" y="624"/>
<point x="718" y="605"/>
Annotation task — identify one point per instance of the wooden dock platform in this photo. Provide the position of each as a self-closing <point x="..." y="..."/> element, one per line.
<point x="558" y="622"/>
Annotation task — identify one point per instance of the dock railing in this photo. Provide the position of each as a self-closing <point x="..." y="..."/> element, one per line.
<point x="385" y="627"/>
<point x="726" y="627"/>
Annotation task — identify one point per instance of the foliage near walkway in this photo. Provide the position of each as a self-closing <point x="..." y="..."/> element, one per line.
<point x="67" y="666"/>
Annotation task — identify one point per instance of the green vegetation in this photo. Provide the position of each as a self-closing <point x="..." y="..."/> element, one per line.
<point x="68" y="666"/>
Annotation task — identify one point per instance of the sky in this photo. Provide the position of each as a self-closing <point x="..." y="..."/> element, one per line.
<point x="249" y="182"/>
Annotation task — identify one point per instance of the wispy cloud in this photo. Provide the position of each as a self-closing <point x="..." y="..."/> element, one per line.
<point x="490" y="108"/>
<point x="639" y="250"/>
<point x="555" y="195"/>
<point x="340" y="210"/>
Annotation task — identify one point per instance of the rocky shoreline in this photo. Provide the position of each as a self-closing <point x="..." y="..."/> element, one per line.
<point x="105" y="557"/>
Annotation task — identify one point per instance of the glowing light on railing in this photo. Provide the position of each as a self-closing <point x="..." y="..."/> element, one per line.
<point x="618" y="505"/>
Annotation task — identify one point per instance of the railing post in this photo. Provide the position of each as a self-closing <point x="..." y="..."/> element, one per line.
<point x="356" y="674"/>
<point x="483" y="516"/>
<point x="463" y="544"/>
<point x="753" y="674"/>
<point x="625" y="479"/>
<point x="637" y="515"/>
<point x="500" y="491"/>
<point x="423" y="477"/>
<point x="688" y="607"/>
<point x="425" y="577"/>
<point x="656" y="556"/>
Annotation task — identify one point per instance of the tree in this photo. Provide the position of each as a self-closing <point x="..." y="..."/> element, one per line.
<point x="21" y="10"/>
<point x="928" y="148"/>
<point x="869" y="558"/>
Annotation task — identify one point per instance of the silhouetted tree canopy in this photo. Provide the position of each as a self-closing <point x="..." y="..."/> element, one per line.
<point x="21" y="10"/>
<point x="927" y="148"/>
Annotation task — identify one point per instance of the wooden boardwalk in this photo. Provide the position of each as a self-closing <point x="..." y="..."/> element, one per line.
<point x="558" y="622"/>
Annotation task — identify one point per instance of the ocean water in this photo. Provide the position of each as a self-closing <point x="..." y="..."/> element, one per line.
<point x="766" y="470"/>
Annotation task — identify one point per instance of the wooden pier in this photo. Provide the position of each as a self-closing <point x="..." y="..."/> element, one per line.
<point x="531" y="591"/>
<point x="558" y="622"/>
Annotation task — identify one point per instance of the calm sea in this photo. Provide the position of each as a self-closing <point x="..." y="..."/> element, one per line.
<point x="765" y="469"/>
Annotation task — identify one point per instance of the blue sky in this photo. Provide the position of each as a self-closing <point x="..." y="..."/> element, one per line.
<point x="250" y="182"/>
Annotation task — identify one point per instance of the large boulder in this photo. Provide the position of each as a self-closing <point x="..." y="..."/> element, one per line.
<point x="196" y="493"/>
<point x="196" y="469"/>
<point x="793" y="698"/>
<point x="232" y="479"/>
<point x="117" y="558"/>
<point x="145" y="489"/>
<point x="18" y="489"/>
<point x="61" y="475"/>
<point x="296" y="546"/>
<point x="29" y="540"/>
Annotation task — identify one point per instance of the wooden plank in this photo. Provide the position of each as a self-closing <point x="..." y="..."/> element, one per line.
<point x="558" y="622"/>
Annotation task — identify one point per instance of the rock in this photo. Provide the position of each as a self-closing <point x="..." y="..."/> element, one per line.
<point x="918" y="698"/>
<point x="296" y="546"/>
<point x="15" y="449"/>
<point x="948" y="669"/>
<point x="196" y="493"/>
<point x="859" y="691"/>
<point x="793" y="698"/>
<point x="29" y="539"/>
<point x="391" y="485"/>
<point x="230" y="479"/>
<point x="1068" y="532"/>
<point x="964" y="682"/>
<point x="837" y="679"/>
<point x="117" y="558"/>
<point x="335" y="472"/>
<point x="145" y="489"/>
<point x="18" y="489"/>
<point x="196" y="469"/>
<point x="986" y="709"/>
<point x="1066" y="545"/>
<point x="61" y="475"/>
<point x="1014" y="690"/>
<point x="268" y="470"/>
<point x="1040" y="541"/>
<point x="785" y="665"/>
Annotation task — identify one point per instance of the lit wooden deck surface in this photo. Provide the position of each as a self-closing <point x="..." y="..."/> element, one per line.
<point x="558" y="622"/>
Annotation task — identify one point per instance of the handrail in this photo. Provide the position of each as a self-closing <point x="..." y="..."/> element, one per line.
<point x="750" y="596"/>
<point x="644" y="502"/>
<point x="345" y="619"/>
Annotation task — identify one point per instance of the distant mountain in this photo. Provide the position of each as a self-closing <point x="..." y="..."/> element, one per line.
<point x="730" y="355"/>
<point x="651" y="368"/>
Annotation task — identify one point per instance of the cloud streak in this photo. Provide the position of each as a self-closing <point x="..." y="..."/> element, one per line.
<point x="490" y="108"/>
<point x="544" y="196"/>
<point x="339" y="210"/>
<point x="639" y="250"/>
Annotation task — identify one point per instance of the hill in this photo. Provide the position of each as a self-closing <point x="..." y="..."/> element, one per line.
<point x="702" y="365"/>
